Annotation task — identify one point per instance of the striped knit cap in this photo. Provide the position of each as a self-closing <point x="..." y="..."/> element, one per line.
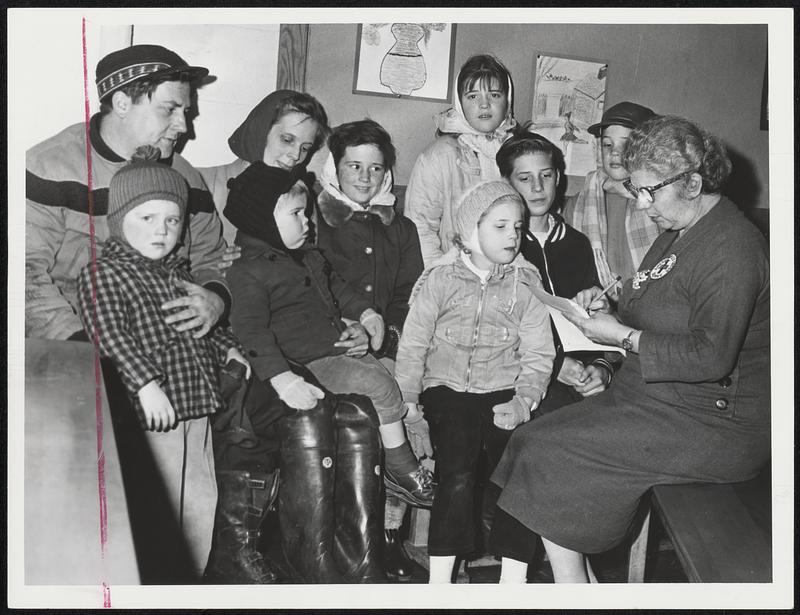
<point x="143" y="179"/>
<point x="477" y="200"/>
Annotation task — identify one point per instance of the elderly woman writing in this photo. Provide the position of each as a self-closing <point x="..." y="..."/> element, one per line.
<point x="691" y="401"/>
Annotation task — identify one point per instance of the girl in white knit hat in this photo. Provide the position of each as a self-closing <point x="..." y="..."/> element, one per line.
<point x="476" y="352"/>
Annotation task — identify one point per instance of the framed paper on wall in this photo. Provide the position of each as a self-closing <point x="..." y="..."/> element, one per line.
<point x="568" y="97"/>
<point x="405" y="60"/>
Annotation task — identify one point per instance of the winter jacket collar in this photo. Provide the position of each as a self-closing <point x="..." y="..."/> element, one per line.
<point x="453" y="258"/>
<point x="336" y="213"/>
<point x="558" y="229"/>
<point x="257" y="247"/>
<point x="100" y="146"/>
<point x="120" y="252"/>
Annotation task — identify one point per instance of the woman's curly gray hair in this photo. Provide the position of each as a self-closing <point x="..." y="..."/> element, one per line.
<point x="669" y="145"/>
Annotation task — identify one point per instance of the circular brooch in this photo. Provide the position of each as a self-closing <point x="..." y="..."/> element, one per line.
<point x="663" y="267"/>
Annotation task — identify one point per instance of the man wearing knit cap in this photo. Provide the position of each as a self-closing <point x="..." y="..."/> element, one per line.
<point x="171" y="377"/>
<point x="144" y="95"/>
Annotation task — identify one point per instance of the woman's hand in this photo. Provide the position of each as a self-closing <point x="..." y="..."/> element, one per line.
<point x="593" y="380"/>
<point x="601" y="328"/>
<point x="230" y="254"/>
<point x="202" y="309"/>
<point x="233" y="353"/>
<point x="295" y="392"/>
<point x="356" y="339"/>
<point x="593" y="300"/>
<point x="158" y="412"/>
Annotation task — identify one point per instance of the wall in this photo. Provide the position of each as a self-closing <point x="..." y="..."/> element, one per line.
<point x="65" y="45"/>
<point x="712" y="74"/>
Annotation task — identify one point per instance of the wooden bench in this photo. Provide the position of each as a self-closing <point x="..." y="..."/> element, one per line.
<point x="62" y="502"/>
<point x="721" y="533"/>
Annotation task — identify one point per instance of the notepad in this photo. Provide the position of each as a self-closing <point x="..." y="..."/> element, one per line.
<point x="572" y="339"/>
<point x="559" y="303"/>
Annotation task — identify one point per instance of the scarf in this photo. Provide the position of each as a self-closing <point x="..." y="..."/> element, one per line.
<point x="330" y="184"/>
<point x="485" y="145"/>
<point x="590" y="218"/>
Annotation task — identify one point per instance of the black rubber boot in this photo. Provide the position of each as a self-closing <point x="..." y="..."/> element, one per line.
<point x="396" y="562"/>
<point x="243" y="501"/>
<point x="305" y="501"/>
<point x="358" y="490"/>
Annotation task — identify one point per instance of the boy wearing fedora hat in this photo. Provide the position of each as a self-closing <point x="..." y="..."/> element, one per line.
<point x="171" y="377"/>
<point x="144" y="94"/>
<point x="619" y="233"/>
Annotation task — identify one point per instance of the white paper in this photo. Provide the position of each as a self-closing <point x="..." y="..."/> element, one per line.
<point x="571" y="337"/>
<point x="559" y="303"/>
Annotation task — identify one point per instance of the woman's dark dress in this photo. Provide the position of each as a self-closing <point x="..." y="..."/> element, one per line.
<point x="693" y="405"/>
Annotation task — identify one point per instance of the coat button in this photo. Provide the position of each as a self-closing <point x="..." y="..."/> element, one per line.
<point x="725" y="382"/>
<point x="368" y="288"/>
<point x="307" y="281"/>
<point x="252" y="353"/>
<point x="368" y="250"/>
<point x="721" y="403"/>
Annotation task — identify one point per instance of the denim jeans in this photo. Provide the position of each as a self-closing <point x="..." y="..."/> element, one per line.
<point x="341" y="374"/>
<point x="461" y="425"/>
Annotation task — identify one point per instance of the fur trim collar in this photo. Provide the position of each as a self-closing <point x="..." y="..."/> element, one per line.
<point x="336" y="213"/>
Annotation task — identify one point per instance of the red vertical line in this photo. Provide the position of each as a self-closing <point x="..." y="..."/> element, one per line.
<point x="98" y="379"/>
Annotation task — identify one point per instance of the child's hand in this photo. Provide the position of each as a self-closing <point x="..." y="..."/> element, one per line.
<point x="295" y="391"/>
<point x="355" y="338"/>
<point x="594" y="379"/>
<point x="230" y="254"/>
<point x="512" y="413"/>
<point x="158" y="411"/>
<point x="373" y="323"/>
<point x="233" y="353"/>
<point x="571" y="372"/>
<point x="418" y="432"/>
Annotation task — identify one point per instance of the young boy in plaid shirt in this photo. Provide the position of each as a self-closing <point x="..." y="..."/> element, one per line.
<point x="171" y="376"/>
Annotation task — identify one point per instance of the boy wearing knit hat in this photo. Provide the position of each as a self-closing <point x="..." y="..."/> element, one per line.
<point x="477" y="352"/>
<point x="171" y="376"/>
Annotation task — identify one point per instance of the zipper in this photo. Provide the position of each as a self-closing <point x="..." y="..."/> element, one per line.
<point x="544" y="259"/>
<point x="475" y="330"/>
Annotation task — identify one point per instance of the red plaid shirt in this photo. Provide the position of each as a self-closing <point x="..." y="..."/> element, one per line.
<point x="131" y="330"/>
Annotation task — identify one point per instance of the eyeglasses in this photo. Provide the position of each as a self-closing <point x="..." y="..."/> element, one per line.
<point x="648" y="191"/>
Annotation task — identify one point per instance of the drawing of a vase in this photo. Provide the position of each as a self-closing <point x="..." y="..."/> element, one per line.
<point x="403" y="67"/>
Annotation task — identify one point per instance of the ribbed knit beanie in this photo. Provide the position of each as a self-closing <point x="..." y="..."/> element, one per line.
<point x="143" y="179"/>
<point x="477" y="200"/>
